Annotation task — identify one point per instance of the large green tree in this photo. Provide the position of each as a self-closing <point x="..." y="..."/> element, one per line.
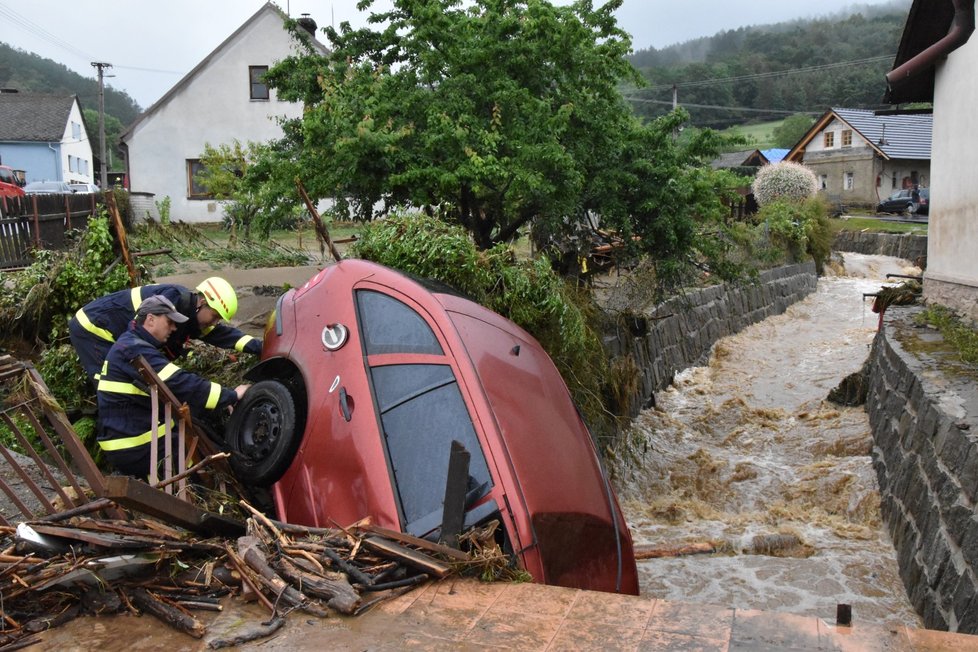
<point x="497" y="115"/>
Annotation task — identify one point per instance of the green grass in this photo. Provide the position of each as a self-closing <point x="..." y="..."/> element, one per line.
<point x="958" y="333"/>
<point x="876" y="225"/>
<point x="760" y="136"/>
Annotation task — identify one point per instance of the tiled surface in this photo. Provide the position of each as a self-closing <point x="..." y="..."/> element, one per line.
<point x="470" y="615"/>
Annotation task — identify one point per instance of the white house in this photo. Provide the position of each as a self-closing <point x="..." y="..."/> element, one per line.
<point x="936" y="63"/>
<point x="45" y="136"/>
<point x="221" y="100"/>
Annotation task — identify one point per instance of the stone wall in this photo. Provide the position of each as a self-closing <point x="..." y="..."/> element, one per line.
<point x="679" y="333"/>
<point x="924" y="417"/>
<point x="903" y="245"/>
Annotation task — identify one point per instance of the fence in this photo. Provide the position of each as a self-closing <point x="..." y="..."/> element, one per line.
<point x="40" y="222"/>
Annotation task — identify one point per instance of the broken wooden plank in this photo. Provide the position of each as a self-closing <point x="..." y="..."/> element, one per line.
<point x="169" y="614"/>
<point x="138" y="495"/>
<point x="413" y="558"/>
<point x="108" y="540"/>
<point x="255" y="558"/>
<point x="453" y="504"/>
<point x="337" y="591"/>
<point x="417" y="542"/>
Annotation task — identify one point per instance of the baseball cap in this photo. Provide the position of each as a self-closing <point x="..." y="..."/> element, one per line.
<point x="160" y="305"/>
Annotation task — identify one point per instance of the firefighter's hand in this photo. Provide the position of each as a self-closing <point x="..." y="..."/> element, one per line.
<point x="240" y="390"/>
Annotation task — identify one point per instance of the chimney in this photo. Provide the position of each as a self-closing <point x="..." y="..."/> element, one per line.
<point x="308" y="24"/>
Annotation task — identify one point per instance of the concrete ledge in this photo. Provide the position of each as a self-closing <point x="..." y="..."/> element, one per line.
<point x="924" y="418"/>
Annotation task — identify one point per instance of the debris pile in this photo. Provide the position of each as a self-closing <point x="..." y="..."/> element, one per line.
<point x="71" y="564"/>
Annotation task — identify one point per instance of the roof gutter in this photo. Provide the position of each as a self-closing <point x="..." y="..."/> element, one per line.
<point x="962" y="26"/>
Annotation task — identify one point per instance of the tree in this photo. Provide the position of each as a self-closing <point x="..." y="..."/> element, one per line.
<point x="491" y="115"/>
<point x="113" y="131"/>
<point x="501" y="116"/>
<point x="791" y="130"/>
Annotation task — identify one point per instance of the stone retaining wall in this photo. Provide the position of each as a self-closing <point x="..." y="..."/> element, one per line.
<point x="907" y="246"/>
<point x="925" y="431"/>
<point x="680" y="332"/>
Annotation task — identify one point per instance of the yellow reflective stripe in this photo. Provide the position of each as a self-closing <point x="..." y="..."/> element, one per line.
<point x="213" y="397"/>
<point x="168" y="371"/>
<point x="241" y="343"/>
<point x="115" y="387"/>
<point x="131" y="442"/>
<point x="92" y="328"/>
<point x="208" y="329"/>
<point x="136" y="295"/>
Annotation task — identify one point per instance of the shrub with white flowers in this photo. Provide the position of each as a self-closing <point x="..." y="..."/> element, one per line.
<point x="784" y="180"/>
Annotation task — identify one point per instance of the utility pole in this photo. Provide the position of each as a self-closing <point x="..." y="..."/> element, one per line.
<point x="104" y="176"/>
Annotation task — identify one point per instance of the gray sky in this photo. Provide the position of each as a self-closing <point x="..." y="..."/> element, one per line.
<point x="153" y="43"/>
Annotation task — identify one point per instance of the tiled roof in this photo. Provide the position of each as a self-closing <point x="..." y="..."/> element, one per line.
<point x="34" y="116"/>
<point x="905" y="136"/>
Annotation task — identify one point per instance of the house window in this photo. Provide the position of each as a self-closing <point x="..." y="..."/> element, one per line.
<point x="847" y="137"/>
<point x="893" y="185"/>
<point x="848" y="181"/>
<point x="256" y="77"/>
<point x="195" y="189"/>
<point x="830" y="139"/>
<point x="823" y="181"/>
<point x="83" y="165"/>
<point x="71" y="164"/>
<point x="76" y="131"/>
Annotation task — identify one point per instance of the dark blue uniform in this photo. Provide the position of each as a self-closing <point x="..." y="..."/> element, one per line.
<point x="95" y="327"/>
<point x="124" y="403"/>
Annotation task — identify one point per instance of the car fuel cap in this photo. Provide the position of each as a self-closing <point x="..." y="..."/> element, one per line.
<point x="335" y="336"/>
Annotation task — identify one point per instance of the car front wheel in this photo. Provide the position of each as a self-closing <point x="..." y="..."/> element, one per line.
<point x="261" y="433"/>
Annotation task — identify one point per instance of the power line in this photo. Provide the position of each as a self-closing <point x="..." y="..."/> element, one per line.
<point x="773" y="73"/>
<point x="42" y="33"/>
<point x="723" y="108"/>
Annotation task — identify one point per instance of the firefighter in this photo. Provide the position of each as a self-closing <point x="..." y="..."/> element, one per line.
<point x="124" y="405"/>
<point x="95" y="327"/>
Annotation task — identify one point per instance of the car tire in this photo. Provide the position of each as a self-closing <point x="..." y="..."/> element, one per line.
<point x="262" y="435"/>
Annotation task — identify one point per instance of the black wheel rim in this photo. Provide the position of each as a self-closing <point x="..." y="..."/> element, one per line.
<point x="261" y="430"/>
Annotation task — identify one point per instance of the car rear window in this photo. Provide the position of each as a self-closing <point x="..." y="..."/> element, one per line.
<point x="389" y="326"/>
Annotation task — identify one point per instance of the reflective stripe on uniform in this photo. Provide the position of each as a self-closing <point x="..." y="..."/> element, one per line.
<point x="85" y="323"/>
<point x="213" y="397"/>
<point x="131" y="442"/>
<point x="168" y="371"/>
<point x="136" y="294"/>
<point x="208" y="329"/>
<point x="242" y="343"/>
<point x="116" y="387"/>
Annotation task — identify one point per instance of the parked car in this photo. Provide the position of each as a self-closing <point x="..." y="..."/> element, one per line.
<point x="9" y="184"/>
<point x="371" y="383"/>
<point x="84" y="188"/>
<point x="904" y="201"/>
<point x="48" y="188"/>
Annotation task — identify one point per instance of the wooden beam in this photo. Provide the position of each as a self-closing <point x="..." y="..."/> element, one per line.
<point x="140" y="496"/>
<point x="418" y="560"/>
<point x="417" y="542"/>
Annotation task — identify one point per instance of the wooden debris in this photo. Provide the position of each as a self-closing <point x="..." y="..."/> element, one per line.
<point x="648" y="552"/>
<point x="171" y="615"/>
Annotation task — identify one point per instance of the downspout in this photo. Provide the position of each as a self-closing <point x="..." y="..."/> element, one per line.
<point x="962" y="25"/>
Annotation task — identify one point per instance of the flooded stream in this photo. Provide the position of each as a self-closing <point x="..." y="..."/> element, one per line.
<point x="747" y="454"/>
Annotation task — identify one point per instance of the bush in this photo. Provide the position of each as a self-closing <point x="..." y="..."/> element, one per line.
<point x="784" y="181"/>
<point x="799" y="228"/>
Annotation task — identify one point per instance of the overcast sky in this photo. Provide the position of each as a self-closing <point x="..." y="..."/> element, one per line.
<point x="153" y="43"/>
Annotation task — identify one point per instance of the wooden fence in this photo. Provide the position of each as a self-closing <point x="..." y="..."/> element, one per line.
<point x="40" y="222"/>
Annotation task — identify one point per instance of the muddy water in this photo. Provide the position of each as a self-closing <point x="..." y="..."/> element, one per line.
<point x="745" y="453"/>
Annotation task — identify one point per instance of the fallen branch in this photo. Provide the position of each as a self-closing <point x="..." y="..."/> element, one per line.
<point x="704" y="548"/>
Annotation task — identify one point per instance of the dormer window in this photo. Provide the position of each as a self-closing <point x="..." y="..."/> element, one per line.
<point x="256" y="78"/>
<point x="829" y="139"/>
<point x="847" y="138"/>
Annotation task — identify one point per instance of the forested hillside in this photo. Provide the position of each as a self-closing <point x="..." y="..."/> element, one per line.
<point x="756" y="73"/>
<point x="26" y="71"/>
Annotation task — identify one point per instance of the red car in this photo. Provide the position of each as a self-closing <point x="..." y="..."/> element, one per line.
<point x="367" y="379"/>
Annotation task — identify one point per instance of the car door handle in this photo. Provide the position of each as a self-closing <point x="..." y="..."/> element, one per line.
<point x="346" y="404"/>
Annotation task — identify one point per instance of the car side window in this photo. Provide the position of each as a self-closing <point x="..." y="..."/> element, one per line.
<point x="422" y="412"/>
<point x="390" y="326"/>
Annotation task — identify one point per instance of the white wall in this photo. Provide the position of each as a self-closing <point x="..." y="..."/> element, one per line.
<point x="80" y="149"/>
<point x="213" y="107"/>
<point x="952" y="266"/>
